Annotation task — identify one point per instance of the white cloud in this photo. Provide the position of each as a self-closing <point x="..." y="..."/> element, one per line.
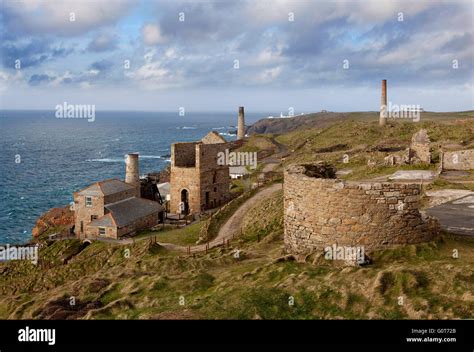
<point x="33" y="16"/>
<point x="152" y="34"/>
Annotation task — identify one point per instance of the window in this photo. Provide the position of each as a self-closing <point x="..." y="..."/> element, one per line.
<point x="93" y="217"/>
<point x="88" y="201"/>
<point x="101" y="231"/>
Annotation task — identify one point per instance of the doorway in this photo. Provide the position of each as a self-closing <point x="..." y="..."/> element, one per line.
<point x="185" y="201"/>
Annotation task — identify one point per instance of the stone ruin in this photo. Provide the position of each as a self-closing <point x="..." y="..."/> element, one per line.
<point x="418" y="152"/>
<point x="321" y="210"/>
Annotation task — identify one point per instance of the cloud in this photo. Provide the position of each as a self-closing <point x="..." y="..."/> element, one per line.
<point x="103" y="42"/>
<point x="152" y="34"/>
<point x="34" y="17"/>
<point x="37" y="79"/>
<point x="31" y="53"/>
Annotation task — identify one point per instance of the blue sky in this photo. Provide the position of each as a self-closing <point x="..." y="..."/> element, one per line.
<point x="305" y="55"/>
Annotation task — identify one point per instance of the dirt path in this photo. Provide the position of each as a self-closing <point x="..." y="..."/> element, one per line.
<point x="232" y="225"/>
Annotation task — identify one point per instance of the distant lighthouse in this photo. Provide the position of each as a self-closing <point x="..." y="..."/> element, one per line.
<point x="241" y="123"/>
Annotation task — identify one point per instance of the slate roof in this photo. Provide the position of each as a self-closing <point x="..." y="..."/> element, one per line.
<point x="104" y="221"/>
<point x="105" y="188"/>
<point x="126" y="211"/>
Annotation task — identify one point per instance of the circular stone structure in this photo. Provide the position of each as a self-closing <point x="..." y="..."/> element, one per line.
<point x="322" y="211"/>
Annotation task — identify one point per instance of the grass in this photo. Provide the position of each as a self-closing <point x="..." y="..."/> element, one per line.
<point x="150" y="282"/>
<point x="186" y="236"/>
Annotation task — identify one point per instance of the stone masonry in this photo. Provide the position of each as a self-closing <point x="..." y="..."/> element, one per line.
<point x="196" y="179"/>
<point x="321" y="212"/>
<point x="420" y="148"/>
<point x="458" y="160"/>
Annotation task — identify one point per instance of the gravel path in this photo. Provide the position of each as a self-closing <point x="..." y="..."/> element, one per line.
<point x="232" y="225"/>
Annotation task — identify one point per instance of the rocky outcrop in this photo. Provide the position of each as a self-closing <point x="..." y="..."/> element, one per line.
<point x="61" y="219"/>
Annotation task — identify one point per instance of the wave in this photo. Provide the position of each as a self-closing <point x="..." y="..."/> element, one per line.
<point x="186" y="128"/>
<point x="218" y="128"/>
<point x="226" y="134"/>
<point x="149" y="156"/>
<point x="121" y="160"/>
<point x="107" y="160"/>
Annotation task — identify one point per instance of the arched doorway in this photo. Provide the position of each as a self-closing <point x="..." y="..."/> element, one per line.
<point x="185" y="201"/>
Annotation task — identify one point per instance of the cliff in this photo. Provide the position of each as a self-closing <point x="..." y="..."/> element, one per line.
<point x="56" y="219"/>
<point x="284" y="125"/>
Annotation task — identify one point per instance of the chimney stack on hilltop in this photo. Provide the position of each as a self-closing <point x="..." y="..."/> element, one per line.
<point x="383" y="104"/>
<point x="132" y="171"/>
<point x="241" y="123"/>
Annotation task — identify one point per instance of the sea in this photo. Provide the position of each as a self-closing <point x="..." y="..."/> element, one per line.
<point x="45" y="159"/>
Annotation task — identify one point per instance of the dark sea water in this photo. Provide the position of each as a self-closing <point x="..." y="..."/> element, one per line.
<point x="61" y="156"/>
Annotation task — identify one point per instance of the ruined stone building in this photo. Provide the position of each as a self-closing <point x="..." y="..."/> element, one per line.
<point x="321" y="210"/>
<point x="113" y="208"/>
<point x="197" y="181"/>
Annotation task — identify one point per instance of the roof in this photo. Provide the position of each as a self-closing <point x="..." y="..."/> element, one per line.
<point x="213" y="138"/>
<point x="104" y="221"/>
<point x="241" y="170"/>
<point x="105" y="188"/>
<point x="126" y="211"/>
<point x="164" y="188"/>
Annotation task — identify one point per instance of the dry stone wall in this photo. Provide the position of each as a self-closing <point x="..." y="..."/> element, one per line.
<point x="321" y="212"/>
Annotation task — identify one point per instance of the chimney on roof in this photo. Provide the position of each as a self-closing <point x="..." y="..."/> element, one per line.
<point x="132" y="171"/>
<point x="241" y="123"/>
<point x="383" y="104"/>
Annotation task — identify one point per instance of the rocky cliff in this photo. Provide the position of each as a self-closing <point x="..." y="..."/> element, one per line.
<point x="56" y="219"/>
<point x="284" y="125"/>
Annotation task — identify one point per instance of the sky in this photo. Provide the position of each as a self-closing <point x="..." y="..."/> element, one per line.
<point x="269" y="56"/>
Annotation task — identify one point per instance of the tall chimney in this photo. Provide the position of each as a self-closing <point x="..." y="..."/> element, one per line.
<point x="383" y="104"/>
<point x="132" y="172"/>
<point x="241" y="123"/>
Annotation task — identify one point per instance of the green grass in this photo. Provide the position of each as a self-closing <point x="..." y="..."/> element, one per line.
<point x="186" y="236"/>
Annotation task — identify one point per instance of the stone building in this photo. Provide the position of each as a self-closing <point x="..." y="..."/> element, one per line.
<point x="420" y="151"/>
<point x="197" y="181"/>
<point x="113" y="208"/>
<point x="321" y="211"/>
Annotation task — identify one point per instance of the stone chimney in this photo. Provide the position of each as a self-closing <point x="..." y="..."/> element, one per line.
<point x="132" y="171"/>
<point x="383" y="104"/>
<point x="241" y="123"/>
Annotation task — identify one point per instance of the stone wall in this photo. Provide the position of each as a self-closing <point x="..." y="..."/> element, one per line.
<point x="206" y="182"/>
<point x="459" y="160"/>
<point x="182" y="178"/>
<point x="83" y="214"/>
<point x="183" y="154"/>
<point x="322" y="212"/>
<point x="420" y="150"/>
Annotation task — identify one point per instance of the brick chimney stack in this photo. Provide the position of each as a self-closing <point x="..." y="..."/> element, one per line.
<point x="383" y="104"/>
<point x="241" y="123"/>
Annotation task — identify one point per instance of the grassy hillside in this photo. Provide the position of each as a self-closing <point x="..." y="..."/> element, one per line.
<point x="362" y="141"/>
<point x="254" y="278"/>
<point x="258" y="283"/>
